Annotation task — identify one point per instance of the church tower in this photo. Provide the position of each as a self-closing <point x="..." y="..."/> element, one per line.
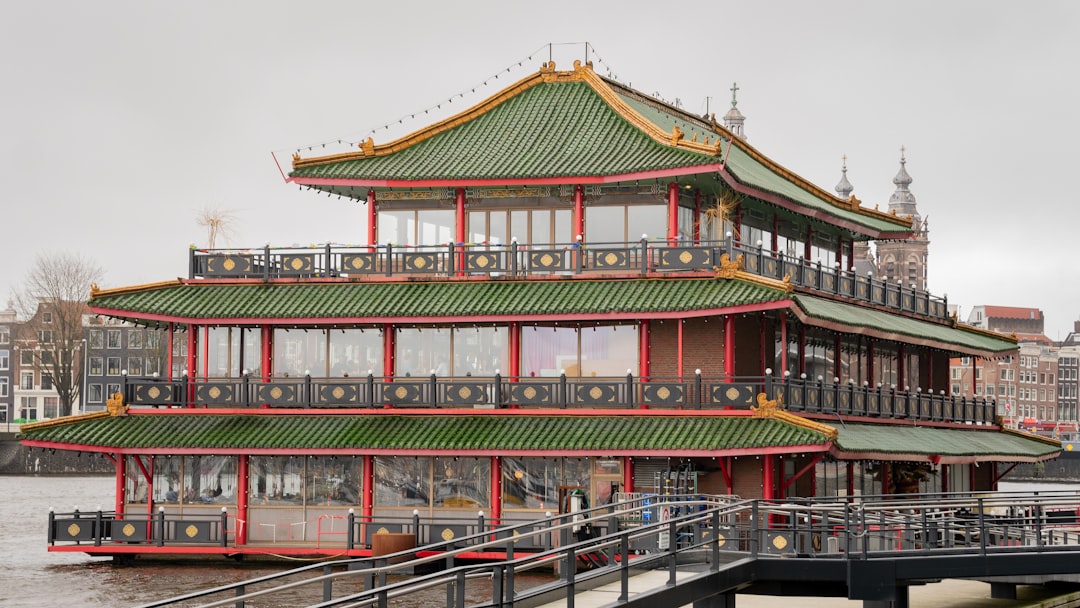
<point x="734" y="119"/>
<point x="905" y="260"/>
<point x="862" y="259"/>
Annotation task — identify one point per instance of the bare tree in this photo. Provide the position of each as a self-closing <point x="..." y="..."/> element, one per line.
<point x="217" y="222"/>
<point x="52" y="302"/>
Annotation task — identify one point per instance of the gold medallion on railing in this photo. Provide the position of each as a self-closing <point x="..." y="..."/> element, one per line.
<point x="529" y="393"/>
<point x="154" y="392"/>
<point x="401" y="392"/>
<point x="229" y="264"/>
<point x="382" y="531"/>
<point x="297" y="264"/>
<point x="275" y="393"/>
<point x="663" y="393"/>
<point x="338" y="392"/>
<point x="732" y="393"/>
<point x="73" y="530"/>
<point x="447" y="534"/>
<point x="464" y="393"/>
<point x="192" y="531"/>
<point x="779" y="542"/>
<point x="686" y="257"/>
<point x="596" y="393"/>
<point x="214" y="392"/>
<point x="128" y="530"/>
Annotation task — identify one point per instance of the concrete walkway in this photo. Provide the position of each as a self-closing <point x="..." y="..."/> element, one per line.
<point x="951" y="593"/>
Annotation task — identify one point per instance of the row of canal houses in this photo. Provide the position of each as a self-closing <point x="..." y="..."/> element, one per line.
<point x="569" y="289"/>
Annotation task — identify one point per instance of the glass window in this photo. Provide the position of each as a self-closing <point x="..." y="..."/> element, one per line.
<point x="93" y="393"/>
<point x="356" y="352"/>
<point x="51" y="406"/>
<point x="46" y="382"/>
<point x="112" y="338"/>
<point x="96" y="366"/>
<point x="136" y="488"/>
<point x="5" y="360"/>
<point x="5" y="335"/>
<point x="533" y="483"/>
<point x="45" y="336"/>
<point x="113" y="366"/>
<point x="135" y="366"/>
<point x="209" y="479"/>
<point x="26" y="357"/>
<point x="276" y="480"/>
<point x="232" y="350"/>
<point x="112" y="389"/>
<point x="97" y="338"/>
<point x="135" y="338"/>
<point x="602" y="350"/>
<point x="167" y="486"/>
<point x="402" y="481"/>
<point x="422" y="351"/>
<point x="334" y="481"/>
<point x="26" y="381"/>
<point x="4" y="389"/>
<point x="479" y="351"/>
<point x="462" y="482"/>
<point x="297" y="352"/>
<point x="607" y="224"/>
<point x="416" y="227"/>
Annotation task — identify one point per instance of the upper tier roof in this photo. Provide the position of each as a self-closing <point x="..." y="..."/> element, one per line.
<point x="571" y="128"/>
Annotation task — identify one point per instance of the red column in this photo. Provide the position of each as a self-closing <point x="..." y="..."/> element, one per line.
<point x="673" y="212"/>
<point x="170" y="335"/>
<point x="372" y="218"/>
<point x="515" y="351"/>
<point x="783" y="344"/>
<point x="206" y="352"/>
<point x="839" y="252"/>
<point x="367" y="502"/>
<point x="679" y="357"/>
<point x="775" y="232"/>
<point x="729" y="346"/>
<point x="459" y="227"/>
<point x="697" y="217"/>
<point x="643" y="349"/>
<point x="768" y="484"/>
<point x="267" y="353"/>
<point x="807" y="250"/>
<point x="388" y="350"/>
<point x="837" y="368"/>
<point x="974" y="373"/>
<point x="762" y="326"/>
<point x="870" y="362"/>
<point x="242" y="500"/>
<point x="628" y="474"/>
<point x="121" y="478"/>
<point x="802" y="349"/>
<point x="496" y="490"/>
<point x="579" y="212"/>
<point x="193" y="345"/>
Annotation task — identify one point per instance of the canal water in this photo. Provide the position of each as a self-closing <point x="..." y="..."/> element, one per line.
<point x="34" y="577"/>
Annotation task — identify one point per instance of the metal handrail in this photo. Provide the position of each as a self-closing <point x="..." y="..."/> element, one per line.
<point x="865" y="528"/>
<point x="521" y="260"/>
<point x="693" y="392"/>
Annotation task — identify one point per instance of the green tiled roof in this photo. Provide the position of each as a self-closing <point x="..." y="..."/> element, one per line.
<point x="344" y="300"/>
<point x="903" y="440"/>
<point x="556" y="129"/>
<point x="460" y="433"/>
<point x="857" y="316"/>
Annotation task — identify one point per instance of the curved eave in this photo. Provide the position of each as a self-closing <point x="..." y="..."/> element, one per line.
<point x="506" y="181"/>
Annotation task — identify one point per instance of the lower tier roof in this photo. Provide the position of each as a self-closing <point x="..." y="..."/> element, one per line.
<point x="521" y="433"/>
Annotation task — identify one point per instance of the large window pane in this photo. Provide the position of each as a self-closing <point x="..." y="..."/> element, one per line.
<point x="402" y="481"/>
<point x="334" y="481"/>
<point x="275" y="480"/>
<point x="545" y="351"/>
<point x="609" y="350"/>
<point x="135" y="485"/>
<point x="355" y="352"/>
<point x="436" y="227"/>
<point x="420" y="351"/>
<point x="167" y="486"/>
<point x="479" y="351"/>
<point x="462" y="482"/>
<point x="607" y="224"/>
<point x="398" y="227"/>
<point x="297" y="351"/>
<point x="209" y="479"/>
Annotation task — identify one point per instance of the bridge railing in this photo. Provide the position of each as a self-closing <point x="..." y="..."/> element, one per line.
<point x="593" y="543"/>
<point x="521" y="260"/>
<point x="693" y="392"/>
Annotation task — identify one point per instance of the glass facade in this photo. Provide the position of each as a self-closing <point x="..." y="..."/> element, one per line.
<point x="604" y="351"/>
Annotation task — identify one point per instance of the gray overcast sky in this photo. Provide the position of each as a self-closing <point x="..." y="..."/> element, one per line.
<point x="120" y="121"/>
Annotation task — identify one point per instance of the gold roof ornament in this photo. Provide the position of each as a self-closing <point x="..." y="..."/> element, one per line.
<point x="676" y="135"/>
<point x="115" y="405"/>
<point x="728" y="268"/>
<point x="767" y="408"/>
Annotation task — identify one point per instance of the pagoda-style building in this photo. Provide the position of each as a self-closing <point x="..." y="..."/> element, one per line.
<point x="569" y="287"/>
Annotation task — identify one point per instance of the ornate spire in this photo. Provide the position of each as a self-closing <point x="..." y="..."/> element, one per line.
<point x="734" y="119"/>
<point x="902" y="200"/>
<point x="844" y="188"/>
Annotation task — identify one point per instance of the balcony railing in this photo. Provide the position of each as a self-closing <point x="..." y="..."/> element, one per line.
<point x="578" y="258"/>
<point x="562" y="392"/>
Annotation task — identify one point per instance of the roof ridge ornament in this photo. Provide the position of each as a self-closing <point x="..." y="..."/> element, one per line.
<point x="548" y="67"/>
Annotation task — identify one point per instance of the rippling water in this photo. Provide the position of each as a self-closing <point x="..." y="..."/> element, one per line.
<point x="33" y="577"/>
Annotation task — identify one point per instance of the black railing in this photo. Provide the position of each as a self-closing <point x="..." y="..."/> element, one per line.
<point x="624" y="392"/>
<point x="158" y="529"/>
<point x="517" y="260"/>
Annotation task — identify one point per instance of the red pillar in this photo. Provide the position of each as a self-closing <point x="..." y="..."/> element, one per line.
<point x="729" y="346"/>
<point x="808" y="247"/>
<point x="459" y="227"/>
<point x="802" y="349"/>
<point x="679" y="348"/>
<point x="193" y="345"/>
<point x="121" y="478"/>
<point x="837" y="368"/>
<point x="762" y="326"/>
<point x="974" y="373"/>
<point x="775" y="232"/>
<point x="496" y="490"/>
<point x="870" y="362"/>
<point x="697" y="217"/>
<point x="388" y="350"/>
<point x="169" y="337"/>
<point x="643" y="349"/>
<point x="206" y="352"/>
<point x="579" y="212"/>
<point x="673" y="212"/>
<point x="515" y="350"/>
<point x="372" y="218"/>
<point x="628" y="474"/>
<point x="267" y="354"/>
<point x="768" y="484"/>
<point x="839" y="252"/>
<point x="242" y="500"/>
<point x="783" y="344"/>
<point x="368" y="501"/>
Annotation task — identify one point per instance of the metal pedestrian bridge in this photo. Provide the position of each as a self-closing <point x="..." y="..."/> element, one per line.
<point x="711" y="548"/>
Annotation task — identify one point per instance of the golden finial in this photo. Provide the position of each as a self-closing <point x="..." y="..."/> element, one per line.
<point x="767" y="408"/>
<point x="115" y="405"/>
<point x="368" y="146"/>
<point x="728" y="269"/>
<point x="548" y="67"/>
<point x="676" y="135"/>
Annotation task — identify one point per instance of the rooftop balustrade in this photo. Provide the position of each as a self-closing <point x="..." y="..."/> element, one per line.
<point x="517" y="260"/>
<point x="695" y="392"/>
